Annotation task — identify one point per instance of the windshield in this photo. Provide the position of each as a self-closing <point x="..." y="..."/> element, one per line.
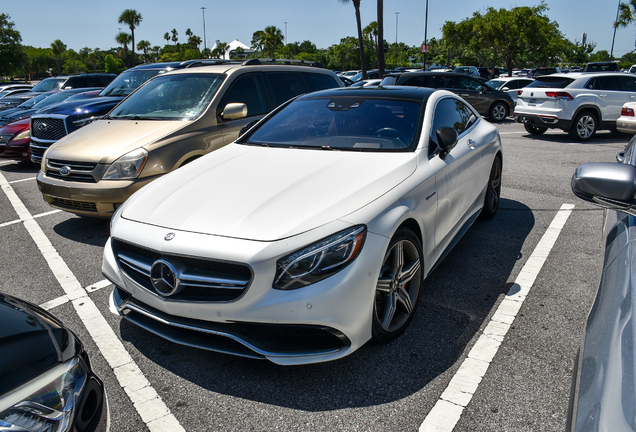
<point x="342" y="123"/>
<point x="127" y="82"/>
<point x="170" y="97"/>
<point x="31" y="102"/>
<point x="496" y="84"/>
<point x="54" y="98"/>
<point x="49" y="84"/>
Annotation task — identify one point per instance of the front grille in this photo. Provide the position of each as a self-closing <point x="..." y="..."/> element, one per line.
<point x="78" y="171"/>
<point x="202" y="280"/>
<point x="74" y="205"/>
<point x="51" y="129"/>
<point x="37" y="152"/>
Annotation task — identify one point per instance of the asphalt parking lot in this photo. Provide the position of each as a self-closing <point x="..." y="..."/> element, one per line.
<point x="52" y="258"/>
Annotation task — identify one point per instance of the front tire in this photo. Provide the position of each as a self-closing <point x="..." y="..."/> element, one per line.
<point x="534" y="130"/>
<point x="398" y="286"/>
<point x="498" y="112"/>
<point x="584" y="126"/>
<point x="493" y="191"/>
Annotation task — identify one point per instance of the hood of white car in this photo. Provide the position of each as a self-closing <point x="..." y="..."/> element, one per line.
<point x="104" y="141"/>
<point x="267" y="194"/>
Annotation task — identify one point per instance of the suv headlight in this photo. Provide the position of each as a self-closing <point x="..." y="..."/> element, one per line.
<point x="46" y="403"/>
<point x="128" y="166"/>
<point x="83" y="122"/>
<point x="319" y="260"/>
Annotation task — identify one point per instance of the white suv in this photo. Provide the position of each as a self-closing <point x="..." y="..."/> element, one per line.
<point x="578" y="103"/>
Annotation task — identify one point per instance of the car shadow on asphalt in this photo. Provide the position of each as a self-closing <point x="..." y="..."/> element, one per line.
<point x="460" y="294"/>
<point x="90" y="231"/>
<point x="23" y="167"/>
<point x="603" y="137"/>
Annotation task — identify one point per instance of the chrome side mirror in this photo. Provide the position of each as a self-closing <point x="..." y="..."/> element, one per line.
<point x="608" y="185"/>
<point x="234" y="111"/>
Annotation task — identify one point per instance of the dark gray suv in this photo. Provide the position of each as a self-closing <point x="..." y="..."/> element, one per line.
<point x="494" y="104"/>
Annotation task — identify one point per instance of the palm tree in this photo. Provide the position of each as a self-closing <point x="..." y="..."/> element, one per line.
<point x="272" y="39"/>
<point x="144" y="46"/>
<point x="371" y="31"/>
<point x="363" y="63"/>
<point x="123" y="39"/>
<point x="380" y="44"/>
<point x="133" y="19"/>
<point x="58" y="47"/>
<point x="155" y="52"/>
<point x="166" y="36"/>
<point x="175" y="36"/>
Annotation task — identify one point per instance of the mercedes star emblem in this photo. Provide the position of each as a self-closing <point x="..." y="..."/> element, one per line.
<point x="164" y="278"/>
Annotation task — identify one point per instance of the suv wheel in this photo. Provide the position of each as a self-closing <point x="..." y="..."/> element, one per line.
<point x="534" y="130"/>
<point x="584" y="126"/>
<point x="497" y="112"/>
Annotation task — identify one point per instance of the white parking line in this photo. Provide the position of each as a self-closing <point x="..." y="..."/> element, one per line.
<point x="146" y="401"/>
<point x="64" y="299"/>
<point x="461" y="388"/>
<point x="22" y="180"/>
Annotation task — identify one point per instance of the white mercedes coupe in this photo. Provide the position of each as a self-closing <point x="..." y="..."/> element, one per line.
<point x="313" y="232"/>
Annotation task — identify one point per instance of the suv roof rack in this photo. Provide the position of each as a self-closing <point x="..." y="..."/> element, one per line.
<point x="253" y="62"/>
<point x="207" y="62"/>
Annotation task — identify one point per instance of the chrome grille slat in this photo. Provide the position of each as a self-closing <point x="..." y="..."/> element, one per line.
<point x="201" y="280"/>
<point x="80" y="171"/>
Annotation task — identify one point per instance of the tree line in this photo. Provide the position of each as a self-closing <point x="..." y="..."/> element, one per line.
<point x="517" y="37"/>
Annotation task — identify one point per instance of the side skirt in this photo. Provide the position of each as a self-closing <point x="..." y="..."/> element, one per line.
<point x="456" y="239"/>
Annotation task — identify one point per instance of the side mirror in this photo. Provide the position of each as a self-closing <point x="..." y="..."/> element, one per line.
<point x="446" y="139"/>
<point x="608" y="185"/>
<point x="234" y="111"/>
<point x="505" y="89"/>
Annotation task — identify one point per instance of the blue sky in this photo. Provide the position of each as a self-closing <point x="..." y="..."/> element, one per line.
<point x="94" y="24"/>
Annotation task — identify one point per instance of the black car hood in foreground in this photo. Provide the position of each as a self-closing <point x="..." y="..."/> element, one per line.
<point x="31" y="342"/>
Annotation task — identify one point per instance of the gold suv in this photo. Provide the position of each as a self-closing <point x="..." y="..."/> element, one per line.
<point x="171" y="120"/>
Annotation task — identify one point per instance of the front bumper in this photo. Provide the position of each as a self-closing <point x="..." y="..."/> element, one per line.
<point x="16" y="150"/>
<point x="323" y="321"/>
<point x="99" y="199"/>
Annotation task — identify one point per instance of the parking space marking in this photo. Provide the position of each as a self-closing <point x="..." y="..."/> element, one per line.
<point x="22" y="180"/>
<point x="147" y="402"/>
<point x="461" y="388"/>
<point x="64" y="299"/>
<point x="34" y="217"/>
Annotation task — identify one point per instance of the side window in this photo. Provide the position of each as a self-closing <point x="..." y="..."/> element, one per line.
<point x="609" y="83"/>
<point x="629" y="83"/>
<point x="469" y="84"/>
<point x="418" y="81"/>
<point x="93" y="82"/>
<point x="446" y="82"/>
<point x="318" y="81"/>
<point x="453" y="113"/>
<point x="75" y="82"/>
<point x="593" y="84"/>
<point x="285" y="85"/>
<point x="246" y="89"/>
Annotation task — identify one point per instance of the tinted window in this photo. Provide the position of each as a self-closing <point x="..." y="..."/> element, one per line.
<point x="345" y="123"/>
<point x="551" y="82"/>
<point x="420" y="81"/>
<point x="604" y="83"/>
<point x="453" y="113"/>
<point x="318" y="81"/>
<point x="286" y="85"/>
<point x="629" y="83"/>
<point x="246" y="89"/>
<point x="469" y="84"/>
<point x="94" y="82"/>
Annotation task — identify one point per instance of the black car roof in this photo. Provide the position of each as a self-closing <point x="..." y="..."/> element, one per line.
<point x="389" y="92"/>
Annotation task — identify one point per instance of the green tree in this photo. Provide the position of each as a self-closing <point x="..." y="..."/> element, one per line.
<point x="132" y="18"/>
<point x="371" y="34"/>
<point x="239" y="52"/>
<point x="155" y="52"/>
<point x="166" y="36"/>
<point x="363" y="63"/>
<point x="600" y="56"/>
<point x="194" y="41"/>
<point x="12" y="55"/>
<point x="175" y="36"/>
<point x="113" y="65"/>
<point x="219" y="51"/>
<point x="123" y="39"/>
<point x="257" y="40"/>
<point x="345" y="55"/>
<point x="272" y="39"/>
<point x="144" y="46"/>
<point x="58" y="47"/>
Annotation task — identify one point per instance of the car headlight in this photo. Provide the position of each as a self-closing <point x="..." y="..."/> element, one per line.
<point x="128" y="166"/>
<point x="46" y="403"/>
<point x="83" y="122"/>
<point x="22" y="135"/>
<point x="319" y="260"/>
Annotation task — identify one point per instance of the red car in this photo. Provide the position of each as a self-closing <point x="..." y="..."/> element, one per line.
<point x="14" y="140"/>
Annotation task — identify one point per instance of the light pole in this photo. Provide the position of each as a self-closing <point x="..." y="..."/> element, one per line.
<point x="425" y="34"/>
<point x="285" y="32"/>
<point x="396" y="38"/>
<point x="204" y="45"/>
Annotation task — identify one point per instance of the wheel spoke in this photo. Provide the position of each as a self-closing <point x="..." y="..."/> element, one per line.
<point x="398" y="258"/>
<point x="389" y="312"/>
<point x="409" y="272"/>
<point x="404" y="299"/>
<point x="384" y="285"/>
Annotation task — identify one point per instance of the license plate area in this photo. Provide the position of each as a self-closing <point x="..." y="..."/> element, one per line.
<point x="532" y="102"/>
